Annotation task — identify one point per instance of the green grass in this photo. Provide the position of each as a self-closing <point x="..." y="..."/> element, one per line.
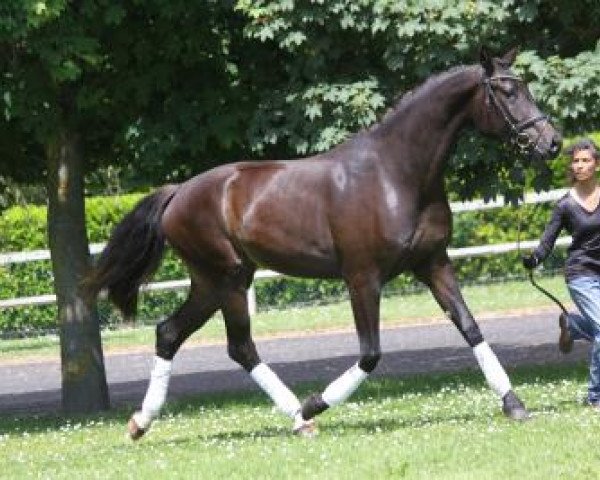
<point x="406" y="309"/>
<point x="446" y="426"/>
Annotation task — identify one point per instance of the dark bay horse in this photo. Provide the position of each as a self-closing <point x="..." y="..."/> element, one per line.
<point x="365" y="211"/>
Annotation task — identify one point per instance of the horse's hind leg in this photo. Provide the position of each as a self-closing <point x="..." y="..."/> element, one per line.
<point x="365" y="294"/>
<point x="440" y="278"/>
<point x="241" y="349"/>
<point x="170" y="334"/>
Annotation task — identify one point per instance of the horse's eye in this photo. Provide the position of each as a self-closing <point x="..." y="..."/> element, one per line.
<point x="511" y="93"/>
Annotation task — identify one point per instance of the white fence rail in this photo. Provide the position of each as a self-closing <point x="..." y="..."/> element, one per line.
<point x="482" y="250"/>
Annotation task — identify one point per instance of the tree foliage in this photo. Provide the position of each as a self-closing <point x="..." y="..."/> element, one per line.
<point x="175" y="72"/>
<point x="376" y="50"/>
<point x="568" y="87"/>
<point x="162" y="90"/>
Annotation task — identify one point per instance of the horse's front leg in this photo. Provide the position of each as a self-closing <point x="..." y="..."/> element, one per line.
<point x="441" y="279"/>
<point x="365" y="292"/>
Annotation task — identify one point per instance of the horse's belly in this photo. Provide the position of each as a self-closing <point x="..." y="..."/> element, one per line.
<point x="292" y="237"/>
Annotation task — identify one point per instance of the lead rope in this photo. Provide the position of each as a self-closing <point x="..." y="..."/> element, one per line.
<point x="530" y="272"/>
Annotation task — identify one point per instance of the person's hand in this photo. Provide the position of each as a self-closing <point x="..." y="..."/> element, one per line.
<point x="530" y="261"/>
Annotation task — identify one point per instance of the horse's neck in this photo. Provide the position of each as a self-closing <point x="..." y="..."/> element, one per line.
<point x="423" y="130"/>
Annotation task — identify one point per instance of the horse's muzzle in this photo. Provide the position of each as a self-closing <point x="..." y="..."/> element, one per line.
<point x="542" y="151"/>
<point x="555" y="146"/>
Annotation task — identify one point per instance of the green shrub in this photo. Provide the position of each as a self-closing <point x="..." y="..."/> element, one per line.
<point x="23" y="228"/>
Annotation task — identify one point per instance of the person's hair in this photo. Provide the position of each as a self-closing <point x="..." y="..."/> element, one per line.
<point x="582" y="144"/>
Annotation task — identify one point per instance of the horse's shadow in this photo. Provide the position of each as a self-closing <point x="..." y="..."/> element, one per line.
<point x="366" y="427"/>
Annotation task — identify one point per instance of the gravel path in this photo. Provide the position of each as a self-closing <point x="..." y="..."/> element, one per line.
<point x="529" y="338"/>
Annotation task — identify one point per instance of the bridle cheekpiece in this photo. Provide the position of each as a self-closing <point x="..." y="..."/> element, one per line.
<point x="518" y="136"/>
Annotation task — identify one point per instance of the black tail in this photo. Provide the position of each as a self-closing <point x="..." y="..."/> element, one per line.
<point x="132" y="254"/>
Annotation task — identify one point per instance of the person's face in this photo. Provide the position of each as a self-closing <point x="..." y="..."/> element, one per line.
<point x="583" y="165"/>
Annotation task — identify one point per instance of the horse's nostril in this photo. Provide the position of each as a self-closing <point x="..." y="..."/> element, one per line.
<point x="556" y="146"/>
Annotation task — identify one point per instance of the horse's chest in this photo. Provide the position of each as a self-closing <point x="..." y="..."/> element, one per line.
<point x="434" y="227"/>
<point x="429" y="237"/>
<point x="426" y="237"/>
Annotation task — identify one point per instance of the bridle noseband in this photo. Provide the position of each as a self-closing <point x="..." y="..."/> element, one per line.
<point x="517" y="130"/>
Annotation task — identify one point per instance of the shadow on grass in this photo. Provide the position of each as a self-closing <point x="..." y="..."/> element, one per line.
<point x="19" y="346"/>
<point x="377" y="389"/>
<point x="333" y="427"/>
<point x="367" y="427"/>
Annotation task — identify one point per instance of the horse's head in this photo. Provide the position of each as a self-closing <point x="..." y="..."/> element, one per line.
<point x="506" y="108"/>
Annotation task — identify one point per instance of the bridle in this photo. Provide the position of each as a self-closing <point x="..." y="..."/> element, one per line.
<point x="518" y="137"/>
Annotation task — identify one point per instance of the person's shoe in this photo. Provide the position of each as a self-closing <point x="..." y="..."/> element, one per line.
<point x="565" y="342"/>
<point x="595" y="404"/>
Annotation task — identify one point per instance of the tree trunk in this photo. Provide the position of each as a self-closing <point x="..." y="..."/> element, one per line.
<point x="84" y="387"/>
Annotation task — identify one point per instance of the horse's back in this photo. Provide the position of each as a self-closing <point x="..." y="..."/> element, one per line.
<point x="273" y="214"/>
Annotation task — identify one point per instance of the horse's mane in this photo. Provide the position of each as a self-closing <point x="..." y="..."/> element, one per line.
<point x="423" y="90"/>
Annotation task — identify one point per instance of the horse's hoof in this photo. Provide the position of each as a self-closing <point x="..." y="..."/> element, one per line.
<point x="135" y="432"/>
<point x="307" y="429"/>
<point x="513" y="408"/>
<point x="313" y="406"/>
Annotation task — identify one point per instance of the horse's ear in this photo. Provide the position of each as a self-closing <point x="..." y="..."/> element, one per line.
<point x="486" y="60"/>
<point x="509" y="57"/>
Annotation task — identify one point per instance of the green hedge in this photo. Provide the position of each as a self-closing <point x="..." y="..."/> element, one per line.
<point x="24" y="228"/>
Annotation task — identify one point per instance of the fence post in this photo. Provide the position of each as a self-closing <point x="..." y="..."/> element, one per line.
<point x="252" y="300"/>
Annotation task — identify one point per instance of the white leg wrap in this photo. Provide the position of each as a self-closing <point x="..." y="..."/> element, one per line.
<point x="490" y="366"/>
<point x="282" y="396"/>
<point x="342" y="387"/>
<point x="156" y="393"/>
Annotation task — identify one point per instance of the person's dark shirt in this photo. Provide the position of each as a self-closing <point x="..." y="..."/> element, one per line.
<point x="584" y="252"/>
